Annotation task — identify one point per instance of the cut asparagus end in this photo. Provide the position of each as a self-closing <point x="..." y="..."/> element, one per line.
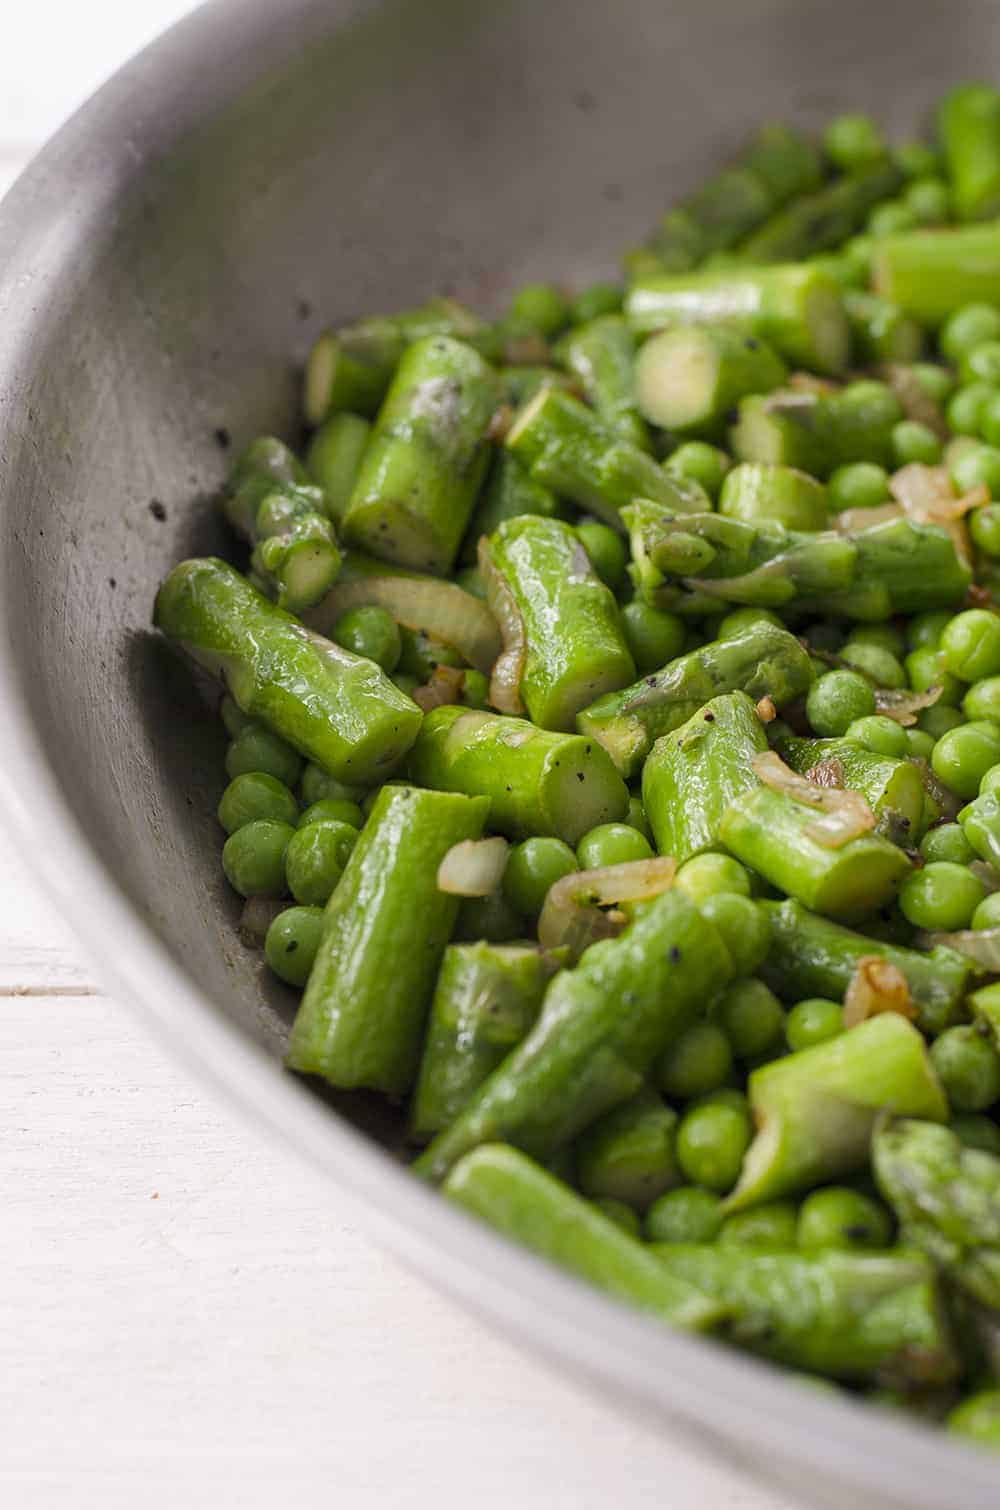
<point x="676" y="379"/>
<point x="828" y="328"/>
<point x="583" y="789"/>
<point x="868" y="876"/>
<point x="321" y="365"/>
<point x="309" y="571"/>
<point x="623" y="737"/>
<point x="904" y="795"/>
<point x="524" y="421"/>
<point x="388" y="529"/>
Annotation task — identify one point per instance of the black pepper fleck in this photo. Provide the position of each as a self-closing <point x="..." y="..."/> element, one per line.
<point x="157" y="509"/>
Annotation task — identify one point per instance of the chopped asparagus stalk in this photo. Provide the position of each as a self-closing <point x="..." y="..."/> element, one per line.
<point x="502" y="1187"/>
<point x="334" y="459"/>
<point x="947" y="1200"/>
<point x="295" y="558"/>
<point x="601" y="356"/>
<point x="689" y="377"/>
<point x="815" y="1110"/>
<point x="894" y="789"/>
<point x="509" y="492"/>
<point x="825" y="218"/>
<point x="818" y="432"/>
<point x="930" y="274"/>
<point x="969" y="129"/>
<point x="880" y="331"/>
<point x="759" y="491"/>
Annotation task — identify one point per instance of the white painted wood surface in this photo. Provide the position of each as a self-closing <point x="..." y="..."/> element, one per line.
<point x="186" y="1317"/>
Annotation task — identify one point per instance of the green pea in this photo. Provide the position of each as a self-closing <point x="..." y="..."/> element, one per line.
<point x="420" y="653"/>
<point x="886" y="636"/>
<point x="636" y="818"/>
<point x="871" y="401"/>
<point x="811" y="1021"/>
<point x="858" y="252"/>
<point x="925" y="669"/>
<point x="743" y="927"/>
<point x="930" y="200"/>
<point x="653" y="636"/>
<point x="702" y="463"/>
<point x="742" y="619"/>
<point x="916" y="160"/>
<point x="968" y="328"/>
<point x="729" y="1096"/>
<point x="968" y="1066"/>
<point x="966" y="407"/>
<point x="542" y="306"/>
<point x="698" y="1062"/>
<point x="913" y="441"/>
<point x="940" y="897"/>
<point x="257" y="749"/>
<point x="233" y="717"/>
<point x="256" y="795"/>
<point x="987" y="914"/>
<point x="253" y="858"/>
<point x="751" y="1016"/>
<point x="704" y="875"/>
<point x="685" y="1215"/>
<point x="773" y="1225"/>
<point x="711" y="1142"/>
<point x="919" y="744"/>
<point x="982" y="701"/>
<point x="333" y="810"/>
<point x="970" y="645"/>
<point x="976" y="466"/>
<point x="371" y="632"/>
<point x="963" y="755"/>
<point x="891" y="218"/>
<point x="316" y="858"/>
<point x="853" y="141"/>
<point x="475" y="689"/>
<point x="532" y="867"/>
<point x="947" y="842"/>
<point x="881" y="735"/>
<point x="981" y="364"/>
<point x="317" y="784"/>
<point x="292" y="943"/>
<point x="939" y="720"/>
<point x="880" y="665"/>
<point x="839" y="1217"/>
<point x="491" y="918"/>
<point x="991" y="781"/>
<point x="989" y="421"/>
<point x="595" y="300"/>
<point x="984" y="528"/>
<point x="836" y="700"/>
<point x="612" y="844"/>
<point x="618" y="1212"/>
<point x="606" y="549"/>
<point x="924" y="630"/>
<point x="936" y="382"/>
<point x="973" y="1130"/>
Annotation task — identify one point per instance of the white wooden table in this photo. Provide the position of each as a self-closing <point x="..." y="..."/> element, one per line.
<point x="186" y="1317"/>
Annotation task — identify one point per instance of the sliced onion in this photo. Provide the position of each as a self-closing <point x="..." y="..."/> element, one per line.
<point x="508" y="668"/>
<point x="473" y="868"/>
<point x="440" y="609"/>
<point x="915" y="403"/>
<point x="862" y="519"/>
<point x="979" y="944"/>
<point x="572" y="915"/>
<point x="256" y="918"/>
<point x="943" y="795"/>
<point x="443" y="690"/>
<point x="928" y="497"/>
<point x="904" y="706"/>
<point x="845" y="815"/>
<point x="828" y="773"/>
<point x="808" y="382"/>
<point x="877" y="986"/>
<point x="766" y="711"/>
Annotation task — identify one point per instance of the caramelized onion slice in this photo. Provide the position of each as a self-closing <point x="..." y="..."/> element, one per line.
<point x="844" y="815"/>
<point x="573" y="914"/>
<point x="876" y="986"/>
<point x="473" y="868"/>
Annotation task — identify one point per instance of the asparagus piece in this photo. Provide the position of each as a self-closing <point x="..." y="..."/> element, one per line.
<point x="763" y="661"/>
<point x="770" y="832"/>
<point x="852" y="1316"/>
<point x="798" y="309"/>
<point x="815" y="1110"/>
<point x="894" y="789"/>
<point x="930" y="274"/>
<point x="266" y="457"/>
<point x="759" y="491"/>
<point x="785" y="159"/>
<point x="568" y="449"/>
<point x="811" y="956"/>
<point x="351" y="368"/>
<point x="585" y="1054"/>
<point x="487" y="997"/>
<point x="295" y="558"/>
<point x="985" y="1007"/>
<point x="339" y="710"/>
<point x="682" y="564"/>
<point x="947" y="1200"/>
<point x="980" y="820"/>
<point x="564" y="639"/>
<point x="818" y="432"/>
<point x="691" y="776"/>
<point x="538" y="781"/>
<point x="826" y="218"/>
<point x="880" y="331"/>
<point x="688" y="378"/>
<point x="628" y="1154"/>
<point x="969" y="130"/>
<point x="519" y="384"/>
<point x="510" y="491"/>
<point x="601" y="355"/>
<point x="526" y="1203"/>
<point x="334" y="459"/>
<point x="426" y="457"/>
<point x="361" y="1024"/>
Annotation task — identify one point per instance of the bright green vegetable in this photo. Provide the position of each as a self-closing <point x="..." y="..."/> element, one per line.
<point x="333" y="809"/>
<point x="701" y="463"/>
<point x="824" y="218"/>
<point x="602" y="357"/>
<point x="256" y="795"/>
<point x="813" y="1021"/>
<point x="980" y="821"/>
<point x="947" y="842"/>
<point x="892" y="788"/>
<point x="751" y="1016"/>
<point x="253" y="858"/>
<point x="743" y="928"/>
<point x="611" y="844"/>
<point x="257" y="751"/>
<point x="881" y="332"/>
<point x="653" y="637"/>
<point x="710" y="875"/>
<point x="688" y="377"/>
<point x="839" y="1217"/>
<point x="538" y="781"/>
<point x="292" y="943"/>
<point x="688" y="1214"/>
<point x="853" y="141"/>
<point x="963" y="755"/>
<point x="941" y="896"/>
<point x="879" y="735"/>
<point x="711" y="1141"/>
<point x="930" y="274"/>
<point x="533" y="867"/>
<point x="502" y="1187"/>
<point x="337" y="709"/>
<point x="486" y="999"/>
<point x="628" y="1154"/>
<point x="333" y="459"/>
<point x="858" y="485"/>
<point x="360" y="1024"/>
<point x="978" y="1418"/>
<point x="542" y="306"/>
<point x="968" y="1066"/>
<point x="371" y="632"/>
<point x="699" y="1062"/>
<point x="969" y="129"/>
<point x="759" y="491"/>
<point x="315" y="860"/>
<point x="509" y="491"/>
<point x="818" y="432"/>
<point x="606" y="549"/>
<point x="772" y="1226"/>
